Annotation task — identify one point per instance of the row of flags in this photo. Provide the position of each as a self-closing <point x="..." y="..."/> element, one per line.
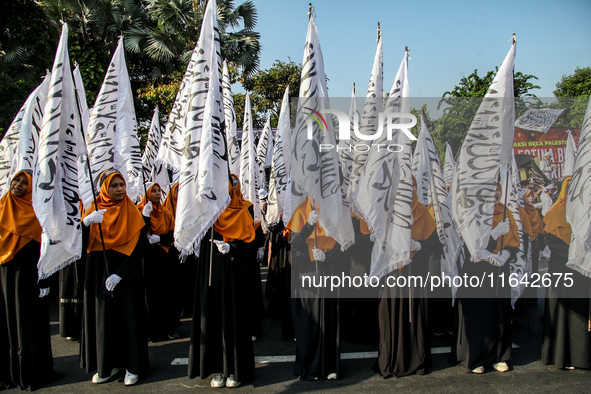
<point x="67" y="146"/>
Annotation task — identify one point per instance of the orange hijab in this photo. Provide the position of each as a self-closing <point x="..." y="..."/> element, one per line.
<point x="161" y="219"/>
<point x="534" y="218"/>
<point x="170" y="202"/>
<point x="297" y="222"/>
<point x="512" y="237"/>
<point x="235" y="223"/>
<point x="18" y="223"/>
<point x="122" y="221"/>
<point x="525" y="225"/>
<point x="555" y="219"/>
<point x="423" y="223"/>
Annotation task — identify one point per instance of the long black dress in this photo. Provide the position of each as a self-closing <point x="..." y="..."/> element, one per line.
<point x="161" y="274"/>
<point x="482" y="332"/>
<point x="567" y="340"/>
<point x="219" y="341"/>
<point x="71" y="288"/>
<point x="114" y="327"/>
<point x="405" y="338"/>
<point x="26" y="360"/>
<point x="278" y="286"/>
<point x="315" y="319"/>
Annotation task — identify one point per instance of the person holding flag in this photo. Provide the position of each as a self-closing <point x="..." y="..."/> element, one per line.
<point x="482" y="336"/>
<point x="546" y="197"/>
<point x="536" y="238"/>
<point x="160" y="270"/>
<point x="114" y="333"/>
<point x="567" y="340"/>
<point x="26" y="360"/>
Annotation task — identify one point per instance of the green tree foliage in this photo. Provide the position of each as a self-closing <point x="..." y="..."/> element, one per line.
<point x="27" y="47"/>
<point x="461" y="103"/>
<point x="572" y="93"/>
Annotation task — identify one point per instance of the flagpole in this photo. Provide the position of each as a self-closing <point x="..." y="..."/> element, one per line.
<point x="91" y="178"/>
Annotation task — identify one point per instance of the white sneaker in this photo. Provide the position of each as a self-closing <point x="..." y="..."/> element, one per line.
<point x="231" y="382"/>
<point x="218" y="381"/>
<point x="96" y="379"/>
<point x="501" y="367"/>
<point x="254" y="338"/>
<point x="130" y="379"/>
<point x="332" y="376"/>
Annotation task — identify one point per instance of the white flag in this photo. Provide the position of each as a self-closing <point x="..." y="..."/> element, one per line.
<point x="82" y="103"/>
<point x="249" y="168"/>
<point x="449" y="167"/>
<point x="18" y="149"/>
<point x="230" y="122"/>
<point x="385" y="188"/>
<point x="432" y="176"/>
<point x="317" y="173"/>
<point x="279" y="184"/>
<point x="155" y="171"/>
<point x="369" y="121"/>
<point x="265" y="146"/>
<point x="488" y="144"/>
<point x="112" y="131"/>
<point x="346" y="151"/>
<point x="578" y="203"/>
<point x="55" y="182"/>
<point x="518" y="267"/>
<point x="203" y="183"/>
<point x="569" y="156"/>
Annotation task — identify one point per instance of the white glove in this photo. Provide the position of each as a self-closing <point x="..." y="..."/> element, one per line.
<point x="94" y="217"/>
<point x="500" y="259"/>
<point x="372" y="237"/>
<point x="222" y="246"/>
<point x="148" y="209"/>
<point x="153" y="239"/>
<point x="260" y="254"/>
<point x="318" y="254"/>
<point x="414" y="246"/>
<point x="43" y="292"/>
<point x="312" y="218"/>
<point x="501" y="229"/>
<point x="263" y="194"/>
<point x="112" y="281"/>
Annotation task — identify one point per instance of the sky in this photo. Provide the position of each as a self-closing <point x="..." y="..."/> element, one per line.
<point x="447" y="39"/>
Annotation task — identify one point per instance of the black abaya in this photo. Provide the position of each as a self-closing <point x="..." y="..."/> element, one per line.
<point x="567" y="340"/>
<point x="71" y="290"/>
<point x="114" y="327"/>
<point x="219" y="341"/>
<point x="26" y="360"/>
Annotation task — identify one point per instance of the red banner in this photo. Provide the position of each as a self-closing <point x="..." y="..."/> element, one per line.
<point x="533" y="143"/>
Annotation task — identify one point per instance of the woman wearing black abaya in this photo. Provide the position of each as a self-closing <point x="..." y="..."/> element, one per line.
<point x="405" y="338"/>
<point x="315" y="318"/>
<point x="567" y="340"/>
<point x="482" y="334"/>
<point x="26" y="360"/>
<point x="220" y="344"/>
<point x="160" y="270"/>
<point x="115" y="316"/>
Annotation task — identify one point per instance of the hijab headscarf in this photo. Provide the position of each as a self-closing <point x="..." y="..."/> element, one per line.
<point x="122" y="222"/>
<point x="170" y="202"/>
<point x="235" y="223"/>
<point x="555" y="219"/>
<point x="18" y="223"/>
<point x="533" y="216"/>
<point x="297" y="222"/>
<point x="423" y="223"/>
<point x="512" y="237"/>
<point x="161" y="219"/>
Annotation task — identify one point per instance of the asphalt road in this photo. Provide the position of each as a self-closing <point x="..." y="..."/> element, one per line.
<point x="274" y="374"/>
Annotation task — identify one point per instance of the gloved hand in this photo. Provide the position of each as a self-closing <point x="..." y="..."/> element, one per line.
<point x="222" y="246"/>
<point x="414" y="246"/>
<point x="312" y="218"/>
<point x="500" y="259"/>
<point x="112" y="281"/>
<point x="263" y="194"/>
<point x="318" y="254"/>
<point x="43" y="292"/>
<point x="148" y="209"/>
<point x="501" y="229"/>
<point x="94" y="217"/>
<point x="260" y="254"/>
<point x="153" y="239"/>
<point x="372" y="237"/>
